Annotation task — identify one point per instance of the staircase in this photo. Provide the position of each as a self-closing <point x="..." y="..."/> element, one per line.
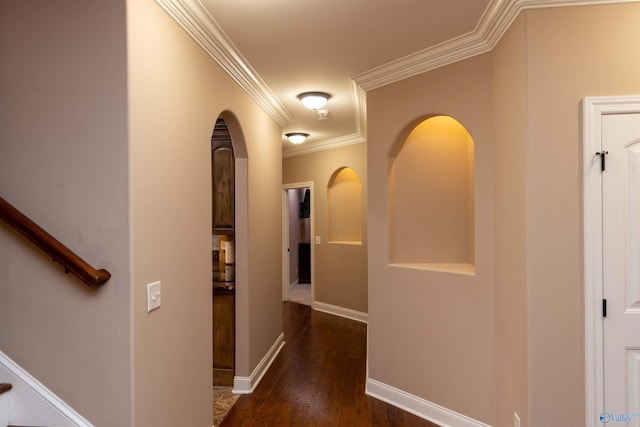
<point x="4" y="404"/>
<point x="24" y="401"/>
<point x="6" y="407"/>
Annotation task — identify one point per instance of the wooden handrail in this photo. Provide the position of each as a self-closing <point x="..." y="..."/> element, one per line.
<point x="71" y="262"/>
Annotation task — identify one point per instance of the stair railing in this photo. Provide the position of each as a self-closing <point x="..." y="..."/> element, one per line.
<point x="71" y="262"/>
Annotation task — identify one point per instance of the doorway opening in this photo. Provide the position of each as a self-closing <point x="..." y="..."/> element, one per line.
<point x="298" y="229"/>
<point x="223" y="254"/>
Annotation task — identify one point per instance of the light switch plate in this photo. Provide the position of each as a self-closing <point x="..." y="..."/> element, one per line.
<point x="318" y="240"/>
<point x="153" y="296"/>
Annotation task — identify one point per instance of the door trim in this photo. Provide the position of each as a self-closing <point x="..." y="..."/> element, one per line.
<point x="593" y="108"/>
<point x="285" y="238"/>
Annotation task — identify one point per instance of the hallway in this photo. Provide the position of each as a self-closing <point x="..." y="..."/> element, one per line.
<point x="317" y="379"/>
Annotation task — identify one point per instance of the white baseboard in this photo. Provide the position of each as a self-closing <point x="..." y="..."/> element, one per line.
<point x="246" y="385"/>
<point x="422" y="408"/>
<point x="31" y="403"/>
<point x="341" y="311"/>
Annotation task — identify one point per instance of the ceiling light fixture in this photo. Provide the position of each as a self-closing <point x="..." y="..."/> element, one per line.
<point x="297" y="137"/>
<point x="314" y="100"/>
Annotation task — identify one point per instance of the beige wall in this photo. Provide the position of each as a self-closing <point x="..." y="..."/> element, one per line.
<point x="72" y="137"/>
<point x="336" y="282"/>
<point x="510" y="119"/>
<point x="431" y="333"/>
<point x="535" y="78"/>
<point x="122" y="176"/>
<point x="571" y="53"/>
<point x="64" y="163"/>
<point x="176" y="93"/>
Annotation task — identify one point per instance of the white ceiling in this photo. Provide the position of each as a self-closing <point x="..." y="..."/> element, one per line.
<point x="276" y="49"/>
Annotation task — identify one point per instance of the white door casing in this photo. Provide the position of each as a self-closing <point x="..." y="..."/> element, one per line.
<point x="611" y="255"/>
<point x="621" y="266"/>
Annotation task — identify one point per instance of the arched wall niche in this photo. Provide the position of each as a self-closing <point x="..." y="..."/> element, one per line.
<point x="431" y="197"/>
<point x="344" y="197"/>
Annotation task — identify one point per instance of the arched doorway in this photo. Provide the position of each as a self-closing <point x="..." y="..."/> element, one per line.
<point x="223" y="254"/>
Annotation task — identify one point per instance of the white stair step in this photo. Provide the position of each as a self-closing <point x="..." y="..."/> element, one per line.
<point x="4" y="406"/>
<point x="30" y="403"/>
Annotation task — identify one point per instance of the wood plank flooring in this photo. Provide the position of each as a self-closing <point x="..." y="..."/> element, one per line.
<point x="318" y="379"/>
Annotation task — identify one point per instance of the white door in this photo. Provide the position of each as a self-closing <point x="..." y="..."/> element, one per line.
<point x="621" y="268"/>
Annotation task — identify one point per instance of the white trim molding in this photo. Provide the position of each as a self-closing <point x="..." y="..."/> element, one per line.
<point x="246" y="385"/>
<point x="593" y="108"/>
<point x="31" y="403"/>
<point x="420" y="407"/>
<point x="328" y="144"/>
<point x="496" y="20"/>
<point x="340" y="311"/>
<point x="360" y="109"/>
<point x="192" y="16"/>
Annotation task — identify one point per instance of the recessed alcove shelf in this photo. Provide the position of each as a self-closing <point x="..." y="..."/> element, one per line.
<point x="431" y="198"/>
<point x="346" y="242"/>
<point x="344" y="195"/>
<point x="459" y="268"/>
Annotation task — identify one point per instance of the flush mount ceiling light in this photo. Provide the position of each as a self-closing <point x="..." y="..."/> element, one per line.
<point x="297" y="137"/>
<point x="314" y="100"/>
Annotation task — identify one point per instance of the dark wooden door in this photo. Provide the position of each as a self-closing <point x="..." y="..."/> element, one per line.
<point x="223" y="221"/>
<point x="223" y="189"/>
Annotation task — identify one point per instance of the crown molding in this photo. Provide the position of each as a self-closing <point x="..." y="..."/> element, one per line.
<point x="328" y="144"/>
<point x="359" y="97"/>
<point x="495" y="21"/>
<point x="200" y="25"/>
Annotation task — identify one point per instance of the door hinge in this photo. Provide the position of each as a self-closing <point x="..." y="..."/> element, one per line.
<point x="604" y="308"/>
<point x="602" y="155"/>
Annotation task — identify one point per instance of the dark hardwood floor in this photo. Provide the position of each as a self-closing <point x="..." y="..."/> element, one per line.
<point x="318" y="379"/>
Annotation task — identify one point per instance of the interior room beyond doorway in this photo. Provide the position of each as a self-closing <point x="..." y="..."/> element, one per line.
<point x="299" y="245"/>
